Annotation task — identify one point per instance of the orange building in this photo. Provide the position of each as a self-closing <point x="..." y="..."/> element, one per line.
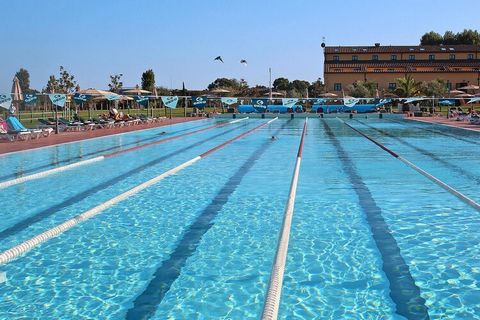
<point x="459" y="65"/>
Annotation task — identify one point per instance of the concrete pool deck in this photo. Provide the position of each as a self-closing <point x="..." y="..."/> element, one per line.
<point x="66" y="137"/>
<point x="447" y="122"/>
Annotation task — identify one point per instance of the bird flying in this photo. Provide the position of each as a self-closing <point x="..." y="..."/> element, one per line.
<point x="244" y="62"/>
<point x="219" y="58"/>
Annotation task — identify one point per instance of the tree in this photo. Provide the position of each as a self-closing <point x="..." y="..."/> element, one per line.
<point x="24" y="80"/>
<point x="449" y="38"/>
<point x="148" y="80"/>
<point x="115" y="84"/>
<point x="358" y="90"/>
<point x="281" y="84"/>
<point x="362" y="89"/>
<point x="431" y="38"/>
<point x="232" y="84"/>
<point x="316" y="88"/>
<point x="407" y="87"/>
<point x="468" y="36"/>
<point x="298" y="88"/>
<point x="437" y="88"/>
<point x="64" y="84"/>
<point x="52" y="85"/>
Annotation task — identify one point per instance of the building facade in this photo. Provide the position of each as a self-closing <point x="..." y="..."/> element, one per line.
<point x="459" y="65"/>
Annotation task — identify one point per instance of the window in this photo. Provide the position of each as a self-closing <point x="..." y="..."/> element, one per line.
<point x="451" y="56"/>
<point x="470" y="56"/>
<point x="431" y="57"/>
<point x="392" y="85"/>
<point x="336" y="58"/>
<point x="411" y="57"/>
<point x="393" y="57"/>
<point x="375" y="57"/>
<point x="337" y="87"/>
<point x="354" y="58"/>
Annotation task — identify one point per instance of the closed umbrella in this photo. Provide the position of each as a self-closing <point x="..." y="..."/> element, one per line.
<point x="17" y="95"/>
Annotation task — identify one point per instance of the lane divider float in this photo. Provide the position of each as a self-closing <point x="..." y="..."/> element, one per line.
<point x="46" y="173"/>
<point x="274" y="292"/>
<point x="437" y="181"/>
<point x="14" y="252"/>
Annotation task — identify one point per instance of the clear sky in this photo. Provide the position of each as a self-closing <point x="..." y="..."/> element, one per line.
<point x="179" y="39"/>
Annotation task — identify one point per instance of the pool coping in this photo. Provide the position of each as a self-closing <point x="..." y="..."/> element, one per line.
<point x="143" y="128"/>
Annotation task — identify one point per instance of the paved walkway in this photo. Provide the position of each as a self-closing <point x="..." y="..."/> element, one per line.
<point x="63" y="137"/>
<point x="447" y="122"/>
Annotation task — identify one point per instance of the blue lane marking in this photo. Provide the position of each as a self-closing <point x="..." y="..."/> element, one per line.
<point x="25" y="223"/>
<point x="19" y="174"/>
<point x="429" y="154"/>
<point x="403" y="290"/>
<point x="145" y="305"/>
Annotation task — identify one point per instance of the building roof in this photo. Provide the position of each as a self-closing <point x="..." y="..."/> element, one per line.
<point x="401" y="49"/>
<point x="399" y="63"/>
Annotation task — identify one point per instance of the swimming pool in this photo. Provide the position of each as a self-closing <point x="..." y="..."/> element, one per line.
<point x="371" y="238"/>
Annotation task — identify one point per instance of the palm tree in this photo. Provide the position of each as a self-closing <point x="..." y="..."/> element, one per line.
<point x="407" y="87"/>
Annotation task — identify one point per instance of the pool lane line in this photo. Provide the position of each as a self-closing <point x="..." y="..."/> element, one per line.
<point x="434" y="179"/>
<point x="45" y="213"/>
<point x="452" y="135"/>
<point x="427" y="153"/>
<point x="46" y="173"/>
<point x="274" y="292"/>
<point x="116" y="153"/>
<point x="14" y="252"/>
<point x="147" y="302"/>
<point x="48" y="165"/>
<point x="403" y="290"/>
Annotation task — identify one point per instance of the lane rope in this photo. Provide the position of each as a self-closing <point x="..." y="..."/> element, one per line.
<point x="434" y="179"/>
<point x="274" y="292"/>
<point x="14" y="252"/>
<point x="46" y="173"/>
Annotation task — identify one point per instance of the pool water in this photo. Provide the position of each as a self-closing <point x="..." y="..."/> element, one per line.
<point x="371" y="238"/>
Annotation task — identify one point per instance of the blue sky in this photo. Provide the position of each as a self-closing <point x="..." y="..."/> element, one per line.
<point x="179" y="39"/>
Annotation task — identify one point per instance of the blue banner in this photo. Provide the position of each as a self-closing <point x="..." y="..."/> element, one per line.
<point x="81" y="98"/>
<point x="318" y="100"/>
<point x="199" y="102"/>
<point x="169" y="101"/>
<point x="260" y="103"/>
<point x="6" y="101"/>
<point x="58" y="99"/>
<point x="229" y="101"/>
<point x="112" y="97"/>
<point x="141" y="100"/>
<point x="289" y="102"/>
<point x="30" y="98"/>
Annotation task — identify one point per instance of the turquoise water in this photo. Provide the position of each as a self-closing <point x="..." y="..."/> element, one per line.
<point x="200" y="244"/>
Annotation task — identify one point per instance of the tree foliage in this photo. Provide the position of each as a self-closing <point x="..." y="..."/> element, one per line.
<point x="437" y="88"/>
<point x="65" y="83"/>
<point x="467" y="36"/>
<point x="431" y="38"/>
<point x="24" y="79"/>
<point x="362" y="89"/>
<point x="407" y="87"/>
<point x="316" y="88"/>
<point x="115" y="84"/>
<point x="230" y="84"/>
<point x="281" y="84"/>
<point x="148" y="80"/>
